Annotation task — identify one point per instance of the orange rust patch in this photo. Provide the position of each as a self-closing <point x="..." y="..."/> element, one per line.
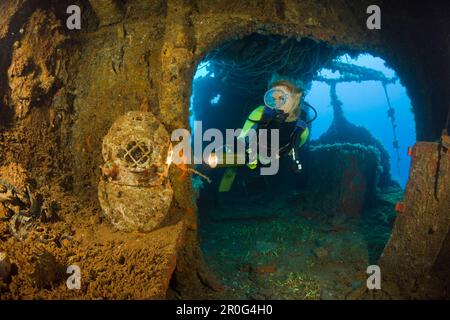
<point x="269" y="268"/>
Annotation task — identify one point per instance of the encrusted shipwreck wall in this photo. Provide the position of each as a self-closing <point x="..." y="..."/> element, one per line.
<point x="343" y="131"/>
<point x="424" y="214"/>
<point x="347" y="184"/>
<point x="61" y="90"/>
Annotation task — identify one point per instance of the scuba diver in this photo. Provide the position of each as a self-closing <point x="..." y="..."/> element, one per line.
<point x="283" y="111"/>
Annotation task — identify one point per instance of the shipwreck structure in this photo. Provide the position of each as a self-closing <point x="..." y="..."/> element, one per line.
<point x="61" y="92"/>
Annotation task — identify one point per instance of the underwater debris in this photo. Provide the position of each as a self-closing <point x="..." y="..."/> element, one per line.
<point x="20" y="209"/>
<point x="5" y="266"/>
<point x="265" y="269"/>
<point x="198" y="173"/>
<point x="346" y="184"/>
<point x="320" y="252"/>
<point x="47" y="271"/>
<point x="342" y="131"/>
<point x="134" y="191"/>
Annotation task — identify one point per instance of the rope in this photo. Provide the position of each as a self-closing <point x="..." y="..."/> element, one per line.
<point x="392" y="116"/>
<point x="200" y="174"/>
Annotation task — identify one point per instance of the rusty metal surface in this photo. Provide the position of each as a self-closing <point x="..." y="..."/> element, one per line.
<point x="420" y="231"/>
<point x="445" y="141"/>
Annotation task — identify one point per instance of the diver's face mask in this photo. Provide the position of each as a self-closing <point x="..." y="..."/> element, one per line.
<point x="276" y="98"/>
<point x="279" y="98"/>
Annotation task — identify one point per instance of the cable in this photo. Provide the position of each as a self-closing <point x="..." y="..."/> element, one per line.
<point x="391" y="114"/>
<point x="313" y="109"/>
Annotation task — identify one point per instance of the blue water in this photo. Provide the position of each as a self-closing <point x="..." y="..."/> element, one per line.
<point x="365" y="104"/>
